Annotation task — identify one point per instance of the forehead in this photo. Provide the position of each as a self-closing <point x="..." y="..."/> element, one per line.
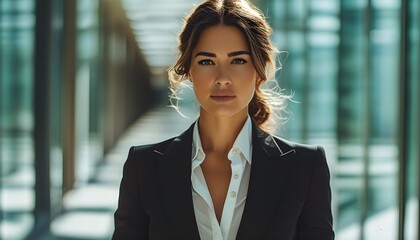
<point x="221" y="38"/>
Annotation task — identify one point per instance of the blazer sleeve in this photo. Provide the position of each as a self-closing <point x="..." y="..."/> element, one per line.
<point x="315" y="221"/>
<point x="131" y="221"/>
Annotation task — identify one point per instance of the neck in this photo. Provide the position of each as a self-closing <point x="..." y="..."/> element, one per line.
<point x="219" y="133"/>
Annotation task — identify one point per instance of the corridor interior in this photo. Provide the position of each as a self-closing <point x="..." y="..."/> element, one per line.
<point x="88" y="210"/>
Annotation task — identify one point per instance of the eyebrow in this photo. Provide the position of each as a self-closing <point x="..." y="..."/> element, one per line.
<point x="207" y="54"/>
<point x="231" y="54"/>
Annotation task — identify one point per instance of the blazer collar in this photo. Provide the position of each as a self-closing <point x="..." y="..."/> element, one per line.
<point x="269" y="173"/>
<point x="174" y="170"/>
<point x="270" y="146"/>
<point x="260" y="138"/>
<point x="271" y="164"/>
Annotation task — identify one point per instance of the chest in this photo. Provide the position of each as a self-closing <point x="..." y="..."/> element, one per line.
<point x="217" y="173"/>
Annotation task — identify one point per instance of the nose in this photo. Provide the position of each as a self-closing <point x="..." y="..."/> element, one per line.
<point x="223" y="77"/>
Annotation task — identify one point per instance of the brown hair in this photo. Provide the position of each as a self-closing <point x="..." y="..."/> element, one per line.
<point x="243" y="15"/>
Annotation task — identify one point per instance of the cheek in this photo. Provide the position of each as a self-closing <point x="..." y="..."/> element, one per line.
<point x="248" y="77"/>
<point x="200" y="81"/>
<point x="251" y="90"/>
<point x="244" y="72"/>
<point x="202" y="74"/>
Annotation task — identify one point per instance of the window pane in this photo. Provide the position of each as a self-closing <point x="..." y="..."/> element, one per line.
<point x="16" y="118"/>
<point x="383" y="153"/>
<point x="343" y="67"/>
<point x="413" y="155"/>
<point x="88" y="110"/>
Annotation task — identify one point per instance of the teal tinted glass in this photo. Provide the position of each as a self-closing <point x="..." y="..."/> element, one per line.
<point x="16" y="118"/>
<point x="343" y="68"/>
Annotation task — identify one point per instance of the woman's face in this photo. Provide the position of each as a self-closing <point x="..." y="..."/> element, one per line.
<point x="222" y="72"/>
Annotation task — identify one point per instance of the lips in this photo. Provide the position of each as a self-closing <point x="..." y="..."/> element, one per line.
<point x="223" y="96"/>
<point x="222" y="93"/>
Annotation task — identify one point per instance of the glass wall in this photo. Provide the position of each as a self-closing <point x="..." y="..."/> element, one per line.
<point x="353" y="119"/>
<point x="56" y="148"/>
<point x="88" y="91"/>
<point x="344" y="67"/>
<point x="17" y="195"/>
<point x="411" y="124"/>
<point x="58" y="77"/>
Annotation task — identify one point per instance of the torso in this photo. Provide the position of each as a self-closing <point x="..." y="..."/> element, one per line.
<point x="217" y="172"/>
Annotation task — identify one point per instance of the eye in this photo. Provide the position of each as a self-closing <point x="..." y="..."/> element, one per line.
<point x="206" y="62"/>
<point x="239" y="61"/>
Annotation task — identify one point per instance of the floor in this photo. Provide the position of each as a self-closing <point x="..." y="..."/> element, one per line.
<point x="89" y="209"/>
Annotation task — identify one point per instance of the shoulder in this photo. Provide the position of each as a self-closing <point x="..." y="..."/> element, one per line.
<point x="141" y="159"/>
<point x="164" y="145"/>
<point x="299" y="148"/>
<point x="171" y="146"/>
<point x="275" y="145"/>
<point x="141" y="154"/>
<point x="150" y="148"/>
<point x="309" y="161"/>
<point x="307" y="156"/>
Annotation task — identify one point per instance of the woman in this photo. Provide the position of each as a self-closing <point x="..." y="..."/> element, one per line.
<point x="225" y="177"/>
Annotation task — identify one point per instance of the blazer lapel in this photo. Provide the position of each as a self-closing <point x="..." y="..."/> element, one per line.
<point x="269" y="173"/>
<point x="174" y="169"/>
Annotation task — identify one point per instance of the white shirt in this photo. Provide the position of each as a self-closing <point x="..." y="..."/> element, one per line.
<point x="240" y="156"/>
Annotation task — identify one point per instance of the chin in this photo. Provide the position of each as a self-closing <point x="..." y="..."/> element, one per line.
<point x="224" y="112"/>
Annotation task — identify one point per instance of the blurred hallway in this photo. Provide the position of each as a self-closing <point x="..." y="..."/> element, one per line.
<point x="88" y="210"/>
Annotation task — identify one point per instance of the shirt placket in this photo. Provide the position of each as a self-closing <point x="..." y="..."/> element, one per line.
<point x="200" y="187"/>
<point x="198" y="181"/>
<point x="232" y="194"/>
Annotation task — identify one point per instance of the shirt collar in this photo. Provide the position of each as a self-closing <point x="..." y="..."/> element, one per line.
<point x="196" y="142"/>
<point x="243" y="141"/>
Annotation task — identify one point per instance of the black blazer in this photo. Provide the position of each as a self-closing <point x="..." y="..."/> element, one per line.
<point x="289" y="194"/>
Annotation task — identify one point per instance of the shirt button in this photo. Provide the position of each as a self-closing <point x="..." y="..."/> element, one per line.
<point x="235" y="151"/>
<point x="233" y="194"/>
<point x="235" y="176"/>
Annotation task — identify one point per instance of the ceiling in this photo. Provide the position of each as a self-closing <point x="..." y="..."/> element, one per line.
<point x="156" y="24"/>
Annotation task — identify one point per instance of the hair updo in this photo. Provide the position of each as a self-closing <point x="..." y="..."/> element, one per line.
<point x="243" y="15"/>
